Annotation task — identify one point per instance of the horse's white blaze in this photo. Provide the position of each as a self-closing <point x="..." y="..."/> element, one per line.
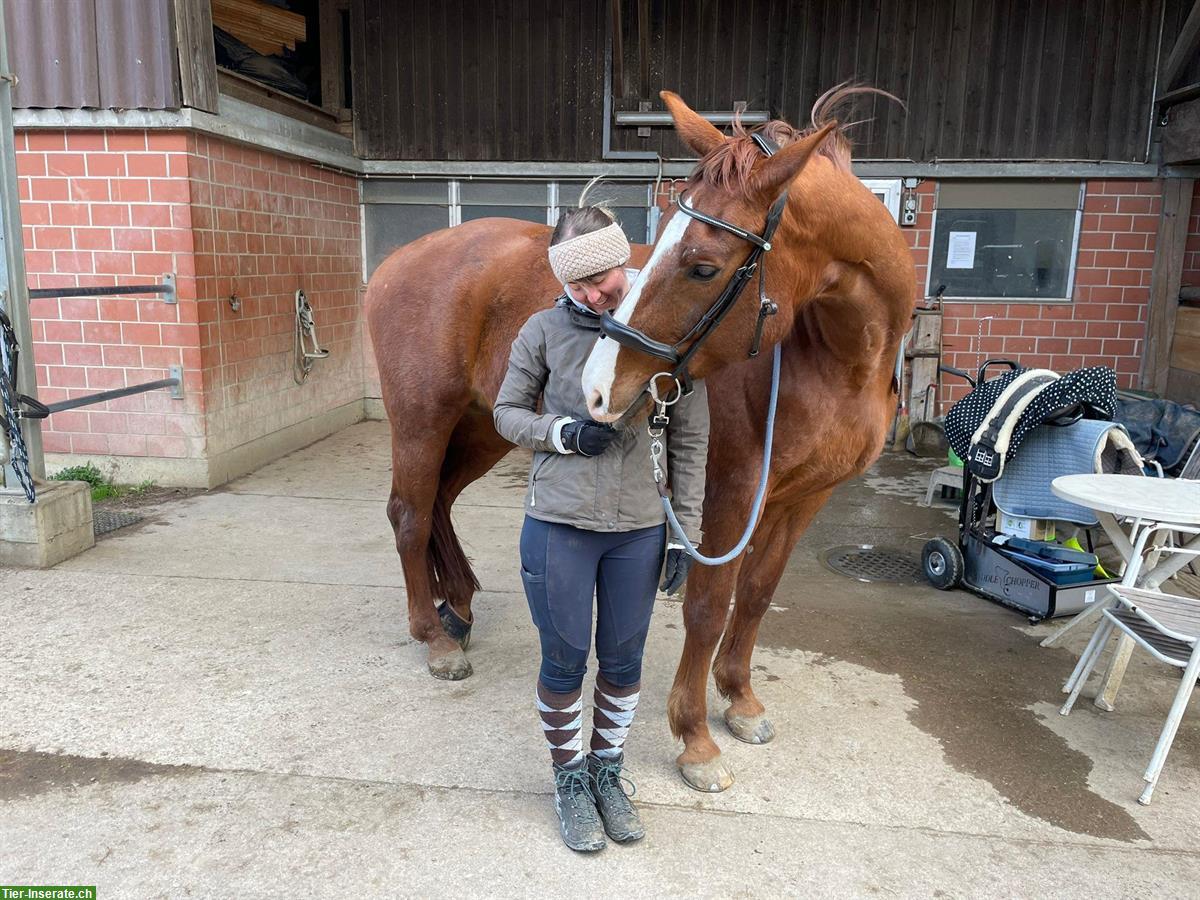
<point x="601" y="365"/>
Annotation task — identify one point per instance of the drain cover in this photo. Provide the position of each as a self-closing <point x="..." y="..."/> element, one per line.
<point x="106" y="520"/>
<point x="865" y="562"/>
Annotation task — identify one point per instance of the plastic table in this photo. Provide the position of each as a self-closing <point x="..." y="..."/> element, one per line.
<point x="1144" y="502"/>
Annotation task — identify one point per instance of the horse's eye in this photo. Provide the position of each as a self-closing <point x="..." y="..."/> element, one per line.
<point x="703" y="273"/>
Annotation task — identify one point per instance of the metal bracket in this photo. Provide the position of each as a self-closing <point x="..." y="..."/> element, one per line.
<point x="176" y="389"/>
<point x="644" y="131"/>
<point x="11" y="78"/>
<point x="168" y="292"/>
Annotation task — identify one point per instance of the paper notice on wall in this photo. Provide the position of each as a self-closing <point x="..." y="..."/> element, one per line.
<point x="960" y="253"/>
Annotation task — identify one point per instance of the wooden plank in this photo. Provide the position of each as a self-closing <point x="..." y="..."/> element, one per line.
<point x="1183" y="49"/>
<point x="1183" y="386"/>
<point x="1185" y="353"/>
<point x="196" y="53"/>
<point x="1181" y="136"/>
<point x="329" y="16"/>
<point x="1187" y="321"/>
<point x="1165" y="279"/>
<point x="266" y="28"/>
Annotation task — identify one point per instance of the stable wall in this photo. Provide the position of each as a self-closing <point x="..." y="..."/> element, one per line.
<point x="127" y="206"/>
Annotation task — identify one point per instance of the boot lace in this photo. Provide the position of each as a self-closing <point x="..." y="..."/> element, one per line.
<point x="609" y="778"/>
<point x="575" y="782"/>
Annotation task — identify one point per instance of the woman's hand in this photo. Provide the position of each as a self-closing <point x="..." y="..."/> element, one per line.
<point x="675" y="571"/>
<point x="587" y="438"/>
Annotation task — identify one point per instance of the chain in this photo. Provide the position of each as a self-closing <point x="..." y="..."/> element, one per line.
<point x="658" y="423"/>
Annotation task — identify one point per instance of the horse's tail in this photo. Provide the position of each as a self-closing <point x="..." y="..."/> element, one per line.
<point x="842" y="98"/>
<point x="450" y="574"/>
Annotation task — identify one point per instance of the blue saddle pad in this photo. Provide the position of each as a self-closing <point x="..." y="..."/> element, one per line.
<point x="1089" y="446"/>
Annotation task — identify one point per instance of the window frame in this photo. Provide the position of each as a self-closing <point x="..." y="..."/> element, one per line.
<point x="1073" y="261"/>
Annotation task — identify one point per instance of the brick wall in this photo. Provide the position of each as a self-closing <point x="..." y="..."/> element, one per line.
<point x="105" y="208"/>
<point x="1105" y="325"/>
<point x="128" y="206"/>
<point x="264" y="226"/>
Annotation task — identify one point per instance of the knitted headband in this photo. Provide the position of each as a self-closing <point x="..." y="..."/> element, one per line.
<point x="587" y="254"/>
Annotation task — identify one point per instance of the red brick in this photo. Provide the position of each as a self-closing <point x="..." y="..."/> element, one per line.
<point x="179" y="335"/>
<point x="35" y="213"/>
<point x="93" y="238"/>
<point x="52" y="189"/>
<point x="169" y="190"/>
<point x="1052" y="345"/>
<point x="141" y="334"/>
<point x="1132" y="241"/>
<point x="77" y="262"/>
<point x="108" y="421"/>
<point x="66" y="376"/>
<point x="70" y="165"/>
<point x="106" y="165"/>
<point x="89" y="443"/>
<point x="109" y="214"/>
<point x="1086" y="346"/>
<point x="78" y="309"/>
<point x="1096" y="203"/>
<point x="31" y="164"/>
<point x="114" y="263"/>
<point x="131" y="190"/>
<point x="161" y="357"/>
<point x="172" y="241"/>
<point x="125" y="141"/>
<point x="153" y="216"/>
<point x="45" y="140"/>
<point x="50" y="238"/>
<point x="1125" y="277"/>
<point x="1116" y="223"/>
<point x="69" y="332"/>
<point x="81" y="355"/>
<point x="55" y="442"/>
<point x="1134" y="205"/>
<point x="118" y="309"/>
<point x="147" y="165"/>
<point x="70" y="214"/>
<point x="122" y="355"/>
<point x="1112" y="259"/>
<point x="98" y="332"/>
<point x="127" y="444"/>
<point x="1102" y="329"/>
<point x="167" y="446"/>
<point x="133" y="239"/>
<point x="85" y="140"/>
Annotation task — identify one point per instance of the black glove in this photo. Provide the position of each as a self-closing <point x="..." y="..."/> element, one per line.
<point x="587" y="438"/>
<point x="675" y="571"/>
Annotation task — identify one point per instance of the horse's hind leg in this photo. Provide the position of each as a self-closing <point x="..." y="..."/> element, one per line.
<point x="758" y="578"/>
<point x="473" y="449"/>
<point x="418" y="453"/>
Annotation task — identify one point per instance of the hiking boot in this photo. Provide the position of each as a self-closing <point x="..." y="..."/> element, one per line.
<point x="620" y="817"/>
<point x="576" y="808"/>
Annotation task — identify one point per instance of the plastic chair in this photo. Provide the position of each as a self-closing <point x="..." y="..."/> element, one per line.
<point x="1165" y="625"/>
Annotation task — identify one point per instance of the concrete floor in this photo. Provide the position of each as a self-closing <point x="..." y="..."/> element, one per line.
<point x="225" y="698"/>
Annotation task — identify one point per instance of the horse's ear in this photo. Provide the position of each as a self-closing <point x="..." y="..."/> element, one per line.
<point x="785" y="165"/>
<point x="697" y="132"/>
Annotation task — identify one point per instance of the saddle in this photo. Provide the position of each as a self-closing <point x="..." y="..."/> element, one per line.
<point x="987" y="427"/>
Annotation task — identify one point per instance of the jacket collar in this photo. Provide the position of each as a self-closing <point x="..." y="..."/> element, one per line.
<point x="580" y="315"/>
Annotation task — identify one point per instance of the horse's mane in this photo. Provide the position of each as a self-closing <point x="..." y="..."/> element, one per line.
<point x="729" y="164"/>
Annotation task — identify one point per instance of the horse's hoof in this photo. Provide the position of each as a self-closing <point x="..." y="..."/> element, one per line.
<point x="751" y="729"/>
<point x="452" y="666"/>
<point x="712" y="777"/>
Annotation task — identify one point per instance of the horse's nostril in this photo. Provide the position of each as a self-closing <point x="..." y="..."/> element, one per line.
<point x="595" y="400"/>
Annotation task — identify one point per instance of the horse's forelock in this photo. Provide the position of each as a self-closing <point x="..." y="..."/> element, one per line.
<point x="728" y="165"/>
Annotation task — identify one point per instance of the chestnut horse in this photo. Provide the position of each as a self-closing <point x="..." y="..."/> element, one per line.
<point x="444" y="310"/>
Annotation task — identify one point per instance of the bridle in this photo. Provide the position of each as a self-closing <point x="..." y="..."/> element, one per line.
<point x="755" y="261"/>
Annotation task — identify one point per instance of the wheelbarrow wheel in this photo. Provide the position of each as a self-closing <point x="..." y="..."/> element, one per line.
<point x="942" y="563"/>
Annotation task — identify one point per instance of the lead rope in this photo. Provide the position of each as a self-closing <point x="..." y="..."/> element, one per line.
<point x="655" y="428"/>
<point x="10" y="411"/>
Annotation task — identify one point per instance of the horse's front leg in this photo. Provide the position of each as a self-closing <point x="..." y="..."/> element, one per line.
<point x="704" y="610"/>
<point x="773" y="541"/>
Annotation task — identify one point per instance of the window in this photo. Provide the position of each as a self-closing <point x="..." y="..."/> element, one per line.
<point x="888" y="192"/>
<point x="397" y="211"/>
<point x="1012" y="240"/>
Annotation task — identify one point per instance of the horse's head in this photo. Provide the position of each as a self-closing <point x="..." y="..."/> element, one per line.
<point x="700" y="257"/>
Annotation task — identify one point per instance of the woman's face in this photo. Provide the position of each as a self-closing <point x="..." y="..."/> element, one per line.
<point x="601" y="292"/>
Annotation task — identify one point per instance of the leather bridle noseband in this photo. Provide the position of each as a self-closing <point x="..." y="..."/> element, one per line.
<point x="755" y="261"/>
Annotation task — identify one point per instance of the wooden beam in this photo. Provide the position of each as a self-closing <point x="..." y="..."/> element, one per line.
<point x="1183" y="49"/>
<point x="195" y="53"/>
<point x="1165" y="280"/>
<point x="329" y="14"/>
<point x="1181" y="135"/>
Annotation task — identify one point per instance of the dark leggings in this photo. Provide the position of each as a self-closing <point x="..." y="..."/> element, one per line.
<point x="562" y="568"/>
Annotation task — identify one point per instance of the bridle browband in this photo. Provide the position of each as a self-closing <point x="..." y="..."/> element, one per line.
<point x="630" y="337"/>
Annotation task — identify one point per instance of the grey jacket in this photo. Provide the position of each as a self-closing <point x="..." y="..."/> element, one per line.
<point x="611" y="492"/>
